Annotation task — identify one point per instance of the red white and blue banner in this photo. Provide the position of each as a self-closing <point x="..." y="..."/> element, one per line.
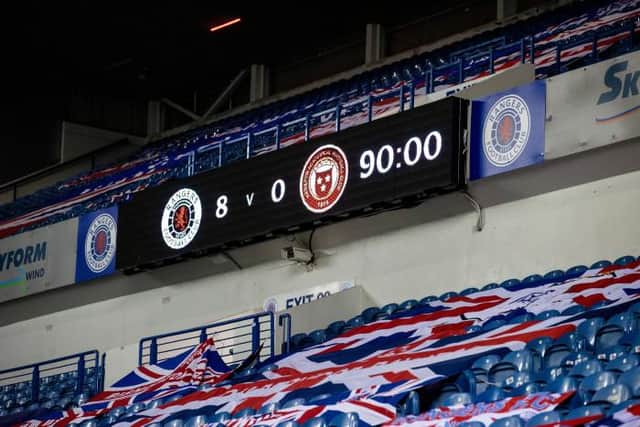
<point x="507" y="130"/>
<point x="370" y="369"/>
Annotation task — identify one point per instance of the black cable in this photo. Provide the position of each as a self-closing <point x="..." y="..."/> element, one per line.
<point x="310" y="245"/>
<point x="232" y="259"/>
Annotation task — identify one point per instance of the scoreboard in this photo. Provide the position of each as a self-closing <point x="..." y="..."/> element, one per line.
<point x="413" y="154"/>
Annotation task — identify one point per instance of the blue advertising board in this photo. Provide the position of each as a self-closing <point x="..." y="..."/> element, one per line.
<point x="507" y="130"/>
<point x="97" y="235"/>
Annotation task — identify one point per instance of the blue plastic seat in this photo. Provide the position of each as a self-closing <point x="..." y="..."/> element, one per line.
<point x="485" y="363"/>
<point x="510" y="283"/>
<point x="631" y="379"/>
<point x="573" y="310"/>
<point x="616" y="327"/>
<point x="316" y="422"/>
<point x="174" y="423"/>
<point x="585" y="368"/>
<point x="613" y="352"/>
<point x="562" y="384"/>
<point x="447" y="295"/>
<point x="613" y="394"/>
<point x="589" y="411"/>
<point x="427" y="300"/>
<point x="593" y="383"/>
<point x="601" y="264"/>
<point x="532" y="279"/>
<point x="547" y="314"/>
<point x="369" y="314"/>
<point x="336" y="328"/>
<point x="513" y="421"/>
<point x="220" y="417"/>
<point x="355" y="322"/>
<point x="624" y="260"/>
<point x="350" y="419"/>
<point x="525" y="389"/>
<point x="589" y="329"/>
<point x="538" y="348"/>
<point x="293" y="402"/>
<point x="554" y="276"/>
<point x="575" y="271"/>
<point x="196" y="421"/>
<point x="471" y="424"/>
<point x="318" y="336"/>
<point x="408" y="305"/>
<point x="490" y="286"/>
<point x="521" y="318"/>
<point x="469" y="291"/>
<point x="516" y="380"/>
<point x="243" y="413"/>
<point x="623" y="364"/>
<point x="493" y="324"/>
<point x="544" y="418"/>
<point x="454" y="399"/>
<point x="410" y="405"/>
<point x="491" y="394"/>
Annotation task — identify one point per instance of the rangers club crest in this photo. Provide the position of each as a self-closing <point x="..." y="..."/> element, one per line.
<point x="181" y="218"/>
<point x="506" y="130"/>
<point x="100" y="243"/>
<point x="324" y="178"/>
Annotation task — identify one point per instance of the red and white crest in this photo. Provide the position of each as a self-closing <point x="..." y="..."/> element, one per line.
<point x="324" y="178"/>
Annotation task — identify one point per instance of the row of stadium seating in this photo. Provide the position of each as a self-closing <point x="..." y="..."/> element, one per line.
<point x="559" y="41"/>
<point x="600" y="360"/>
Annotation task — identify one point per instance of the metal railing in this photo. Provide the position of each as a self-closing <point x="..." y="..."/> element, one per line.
<point x="235" y="340"/>
<point x="76" y="367"/>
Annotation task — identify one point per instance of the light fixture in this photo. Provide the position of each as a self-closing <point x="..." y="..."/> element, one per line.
<point x="225" y="25"/>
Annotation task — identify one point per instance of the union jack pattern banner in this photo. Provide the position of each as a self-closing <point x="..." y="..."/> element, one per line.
<point x="368" y="370"/>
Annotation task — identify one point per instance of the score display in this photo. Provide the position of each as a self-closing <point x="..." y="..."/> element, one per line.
<point x="413" y="154"/>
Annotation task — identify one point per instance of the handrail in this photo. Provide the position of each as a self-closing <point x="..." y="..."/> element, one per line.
<point x="245" y="331"/>
<point x="33" y="373"/>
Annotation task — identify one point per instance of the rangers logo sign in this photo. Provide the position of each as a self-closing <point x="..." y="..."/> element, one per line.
<point x="324" y="178"/>
<point x="181" y="218"/>
<point x="506" y="130"/>
<point x="100" y="243"/>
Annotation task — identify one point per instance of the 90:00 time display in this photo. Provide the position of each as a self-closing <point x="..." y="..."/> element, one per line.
<point x="411" y="153"/>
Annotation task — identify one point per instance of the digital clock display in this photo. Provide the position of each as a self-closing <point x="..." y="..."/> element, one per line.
<point x="410" y="155"/>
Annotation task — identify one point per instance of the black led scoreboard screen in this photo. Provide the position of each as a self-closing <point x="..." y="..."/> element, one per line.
<point x="412" y="154"/>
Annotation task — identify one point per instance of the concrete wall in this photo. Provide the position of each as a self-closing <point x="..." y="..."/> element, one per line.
<point x="393" y="256"/>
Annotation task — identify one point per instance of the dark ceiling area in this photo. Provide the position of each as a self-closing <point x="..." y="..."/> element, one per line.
<point x="159" y="49"/>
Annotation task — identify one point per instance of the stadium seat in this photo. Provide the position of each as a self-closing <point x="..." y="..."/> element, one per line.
<point x="471" y="424"/>
<point x="562" y="384"/>
<point x="623" y="364"/>
<point x="354" y="322"/>
<point x="624" y="260"/>
<point x="514" y="421"/>
<point x="591" y="384"/>
<point x="336" y="328"/>
<point x="427" y="300"/>
<point x="243" y="413"/>
<point x="485" y="363"/>
<point x="538" y="348"/>
<point x="490" y="286"/>
<point x="316" y="422"/>
<point x="196" y="421"/>
<point x="585" y="368"/>
<point x="493" y="324"/>
<point x="491" y="394"/>
<point x="410" y="405"/>
<point x="469" y="291"/>
<point x="631" y="379"/>
<point x="575" y="271"/>
<point x="510" y="283"/>
<point x="573" y="310"/>
<point x="601" y="264"/>
<point x="447" y="295"/>
<point x="350" y="419"/>
<point x="408" y="305"/>
<point x="174" y="423"/>
<point x="613" y="394"/>
<point x="589" y="329"/>
<point x="544" y="418"/>
<point x="369" y="314"/>
<point x="532" y="279"/>
<point x="589" y="411"/>
<point x="455" y="399"/>
<point x="220" y="417"/>
<point x="293" y="402"/>
<point x="554" y="276"/>
<point x="547" y="314"/>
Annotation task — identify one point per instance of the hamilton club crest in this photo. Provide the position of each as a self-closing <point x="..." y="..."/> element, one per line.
<point x="181" y="218"/>
<point x="324" y="178"/>
<point x="100" y="243"/>
<point x="506" y="130"/>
